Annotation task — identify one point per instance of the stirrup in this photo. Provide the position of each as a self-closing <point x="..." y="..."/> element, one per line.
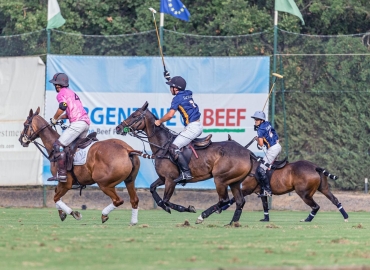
<point x="183" y="178"/>
<point x="53" y="178"/>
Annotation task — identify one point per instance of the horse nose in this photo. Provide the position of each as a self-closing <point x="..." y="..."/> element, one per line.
<point x="119" y="129"/>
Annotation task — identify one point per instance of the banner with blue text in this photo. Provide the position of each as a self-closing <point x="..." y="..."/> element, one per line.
<point x="228" y="90"/>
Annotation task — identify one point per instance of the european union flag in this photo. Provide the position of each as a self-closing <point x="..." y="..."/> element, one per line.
<point x="175" y="8"/>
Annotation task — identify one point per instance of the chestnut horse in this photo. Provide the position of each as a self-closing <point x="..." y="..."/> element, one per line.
<point x="108" y="163"/>
<point x="303" y="177"/>
<point x="227" y="162"/>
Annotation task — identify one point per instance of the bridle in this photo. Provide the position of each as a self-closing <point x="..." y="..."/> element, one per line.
<point x="34" y="135"/>
<point x="132" y="130"/>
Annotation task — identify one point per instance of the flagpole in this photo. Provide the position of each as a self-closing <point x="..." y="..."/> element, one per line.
<point x="161" y="24"/>
<point x="274" y="67"/>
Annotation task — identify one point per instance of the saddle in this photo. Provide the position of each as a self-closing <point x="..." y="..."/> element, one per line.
<point x="277" y="165"/>
<point x="78" y="144"/>
<point x="196" y="144"/>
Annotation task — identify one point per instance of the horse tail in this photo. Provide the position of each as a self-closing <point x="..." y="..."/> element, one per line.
<point x="137" y="152"/>
<point x="326" y="173"/>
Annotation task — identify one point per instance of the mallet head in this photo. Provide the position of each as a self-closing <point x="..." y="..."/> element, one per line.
<point x="277" y="75"/>
<point x="152" y="10"/>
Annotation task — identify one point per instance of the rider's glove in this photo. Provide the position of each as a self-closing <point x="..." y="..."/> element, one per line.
<point x="166" y="75"/>
<point x="53" y="121"/>
<point x="259" y="147"/>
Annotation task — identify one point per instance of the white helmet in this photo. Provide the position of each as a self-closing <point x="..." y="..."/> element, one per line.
<point x="259" y="115"/>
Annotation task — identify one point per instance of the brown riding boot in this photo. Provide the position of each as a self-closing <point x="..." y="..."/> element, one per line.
<point x="62" y="172"/>
<point x="60" y="158"/>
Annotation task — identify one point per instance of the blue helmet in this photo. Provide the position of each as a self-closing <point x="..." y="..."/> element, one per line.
<point x="259" y="115"/>
<point x="177" y="82"/>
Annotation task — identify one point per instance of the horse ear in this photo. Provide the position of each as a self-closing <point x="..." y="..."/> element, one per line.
<point x="37" y="111"/>
<point x="145" y="106"/>
<point x="31" y="113"/>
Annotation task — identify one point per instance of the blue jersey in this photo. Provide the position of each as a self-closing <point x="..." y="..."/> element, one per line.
<point x="268" y="134"/>
<point x="184" y="103"/>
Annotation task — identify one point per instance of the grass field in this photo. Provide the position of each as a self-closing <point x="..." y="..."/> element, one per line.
<point x="37" y="239"/>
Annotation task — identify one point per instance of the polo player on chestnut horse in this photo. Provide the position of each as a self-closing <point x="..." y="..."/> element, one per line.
<point x="108" y="163"/>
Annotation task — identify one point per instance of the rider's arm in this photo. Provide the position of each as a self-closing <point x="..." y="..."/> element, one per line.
<point x="63" y="116"/>
<point x="165" y="117"/>
<point x="58" y="113"/>
<point x="260" y="141"/>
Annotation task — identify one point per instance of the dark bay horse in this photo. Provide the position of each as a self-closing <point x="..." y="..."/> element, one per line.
<point x="227" y="162"/>
<point x="303" y="177"/>
<point x="108" y="163"/>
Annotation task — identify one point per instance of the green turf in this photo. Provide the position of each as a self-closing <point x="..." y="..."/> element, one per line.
<point x="37" y="239"/>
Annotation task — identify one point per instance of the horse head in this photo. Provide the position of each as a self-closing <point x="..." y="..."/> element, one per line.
<point x="135" y="121"/>
<point x="33" y="125"/>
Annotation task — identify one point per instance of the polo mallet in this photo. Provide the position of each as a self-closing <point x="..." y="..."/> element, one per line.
<point x="272" y="87"/>
<point x="159" y="41"/>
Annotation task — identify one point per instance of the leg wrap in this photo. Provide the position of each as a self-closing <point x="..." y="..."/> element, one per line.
<point x="231" y="202"/>
<point x="312" y="214"/>
<point x="108" y="209"/>
<point x="134" y="214"/>
<point x="342" y="211"/>
<point x="237" y="215"/>
<point x="64" y="207"/>
<point x="178" y="208"/>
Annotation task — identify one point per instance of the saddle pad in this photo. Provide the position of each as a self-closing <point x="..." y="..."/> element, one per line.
<point x="81" y="155"/>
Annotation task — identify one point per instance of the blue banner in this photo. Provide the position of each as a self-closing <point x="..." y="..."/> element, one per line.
<point x="227" y="90"/>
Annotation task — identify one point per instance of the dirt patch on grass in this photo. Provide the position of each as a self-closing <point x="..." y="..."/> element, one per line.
<point x="94" y="198"/>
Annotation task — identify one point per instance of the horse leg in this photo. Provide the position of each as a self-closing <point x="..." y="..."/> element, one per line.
<point x="223" y="200"/>
<point x="335" y="201"/>
<point x="158" y="200"/>
<point x="265" y="209"/>
<point x="239" y="200"/>
<point x="116" y="201"/>
<point x="168" y="191"/>
<point x="134" y="200"/>
<point x="63" y="210"/>
<point x="307" y="198"/>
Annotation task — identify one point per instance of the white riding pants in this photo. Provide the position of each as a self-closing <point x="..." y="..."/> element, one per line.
<point x="191" y="131"/>
<point x="271" y="154"/>
<point x="75" y="130"/>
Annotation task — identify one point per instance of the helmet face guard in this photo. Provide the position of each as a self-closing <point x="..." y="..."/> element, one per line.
<point x="177" y="82"/>
<point x="61" y="79"/>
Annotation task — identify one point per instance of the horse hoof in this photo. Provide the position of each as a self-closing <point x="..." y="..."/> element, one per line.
<point x="219" y="211"/>
<point x="345" y="220"/>
<point x="133" y="223"/>
<point x="104" y="218"/>
<point x="168" y="210"/>
<point x="77" y="215"/>
<point x="62" y="215"/>
<point x="199" y="221"/>
<point x="266" y="220"/>
<point x="305" y="220"/>
<point x="192" y="209"/>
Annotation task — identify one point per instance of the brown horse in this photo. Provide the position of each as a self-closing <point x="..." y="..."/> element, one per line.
<point x="227" y="162"/>
<point x="302" y="176"/>
<point x="108" y="163"/>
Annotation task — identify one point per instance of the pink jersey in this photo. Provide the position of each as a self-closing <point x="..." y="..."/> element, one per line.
<point x="75" y="111"/>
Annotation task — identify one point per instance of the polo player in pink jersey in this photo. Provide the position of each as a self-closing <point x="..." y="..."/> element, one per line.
<point x="70" y="107"/>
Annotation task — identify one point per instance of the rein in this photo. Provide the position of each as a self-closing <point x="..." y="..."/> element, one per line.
<point x="35" y="135"/>
<point x="144" y="137"/>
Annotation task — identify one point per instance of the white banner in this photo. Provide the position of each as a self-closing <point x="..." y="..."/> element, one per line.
<point x="22" y="87"/>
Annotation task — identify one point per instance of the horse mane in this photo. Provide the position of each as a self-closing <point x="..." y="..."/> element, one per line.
<point x="42" y="120"/>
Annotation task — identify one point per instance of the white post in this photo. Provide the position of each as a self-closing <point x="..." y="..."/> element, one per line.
<point x="366" y="186"/>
